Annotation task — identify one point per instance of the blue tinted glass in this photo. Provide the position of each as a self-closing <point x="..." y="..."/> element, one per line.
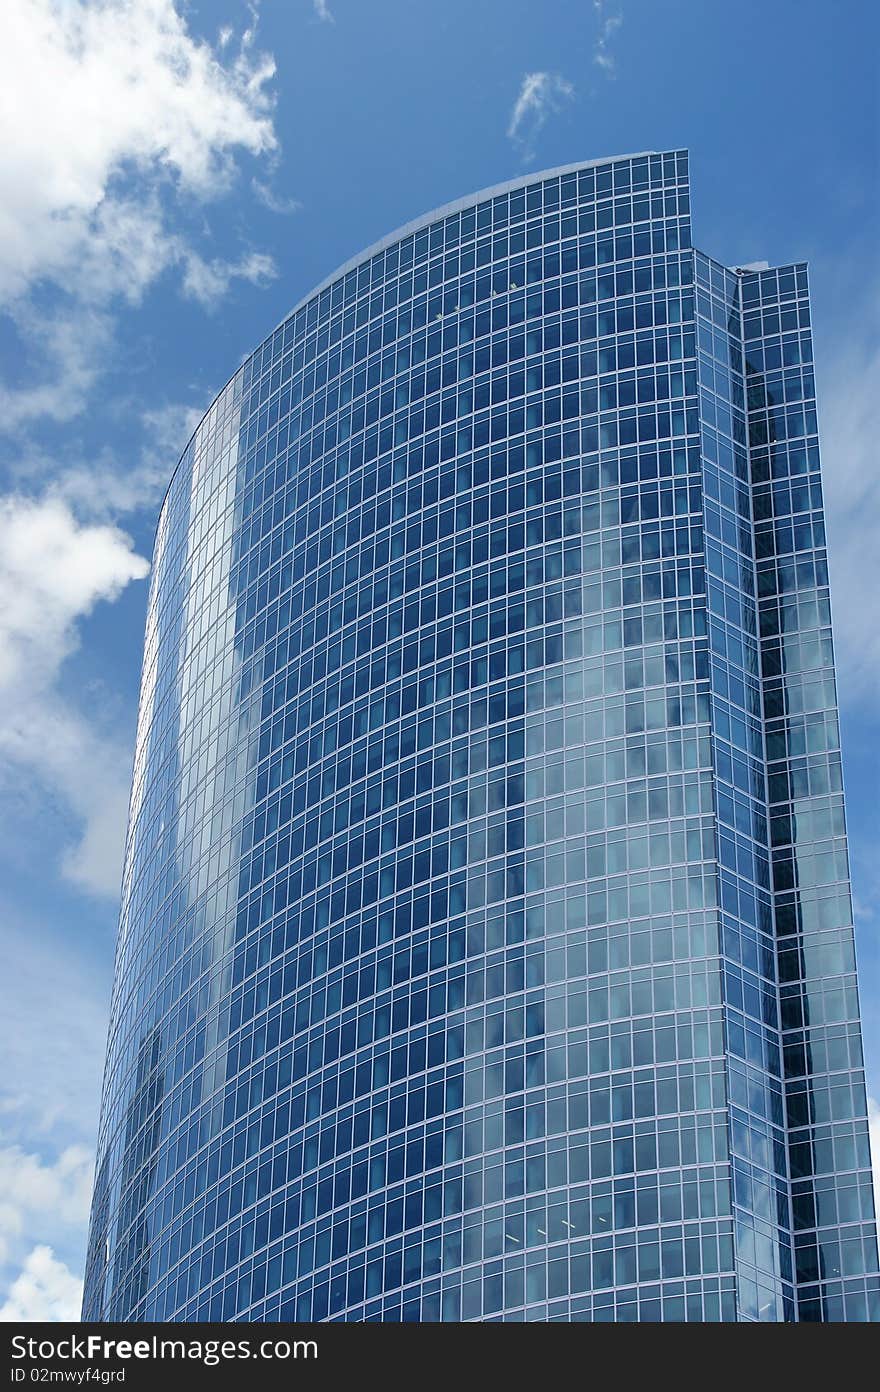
<point x="486" y="945"/>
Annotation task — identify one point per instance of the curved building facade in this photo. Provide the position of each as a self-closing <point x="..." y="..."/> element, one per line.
<point x="486" y="946"/>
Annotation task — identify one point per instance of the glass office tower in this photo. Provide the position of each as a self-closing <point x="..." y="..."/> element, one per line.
<point x="486" y="946"/>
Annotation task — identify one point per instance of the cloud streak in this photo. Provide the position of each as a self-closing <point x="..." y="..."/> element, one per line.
<point x="608" y="26"/>
<point x="541" y="94"/>
<point x="271" y="200"/>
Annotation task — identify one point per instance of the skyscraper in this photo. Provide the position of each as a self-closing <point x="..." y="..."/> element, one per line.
<point x="486" y="946"/>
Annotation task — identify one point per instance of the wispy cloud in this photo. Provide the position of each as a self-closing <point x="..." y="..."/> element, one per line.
<point x="608" y="24"/>
<point x="208" y="281"/>
<point x="271" y="200"/>
<point x="540" y="95"/>
<point x="44" y="1290"/>
<point x="62" y="354"/>
<point x="322" y="10"/>
<point x="53" y="571"/>
<point x="103" y="487"/>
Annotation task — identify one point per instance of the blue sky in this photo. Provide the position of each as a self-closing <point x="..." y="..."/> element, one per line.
<point x="173" y="178"/>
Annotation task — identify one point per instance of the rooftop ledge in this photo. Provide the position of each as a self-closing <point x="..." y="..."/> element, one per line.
<point x="456" y="206"/>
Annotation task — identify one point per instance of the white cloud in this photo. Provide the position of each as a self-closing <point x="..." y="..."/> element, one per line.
<point x="848" y="391"/>
<point x="37" y="1197"/>
<point x="36" y="1193"/>
<point x="45" y="1290"/>
<point x="540" y="94"/>
<point x="608" y="25"/>
<point x="98" y="180"/>
<point x="208" y="281"/>
<point x="322" y="10"/>
<point x="874" y="1129"/>
<point x="53" y="571"/>
<point x="132" y="93"/>
<point x="271" y="200"/>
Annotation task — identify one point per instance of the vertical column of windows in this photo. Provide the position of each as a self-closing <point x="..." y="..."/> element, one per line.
<point x="757" y="1123"/>
<point x="835" y="1242"/>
